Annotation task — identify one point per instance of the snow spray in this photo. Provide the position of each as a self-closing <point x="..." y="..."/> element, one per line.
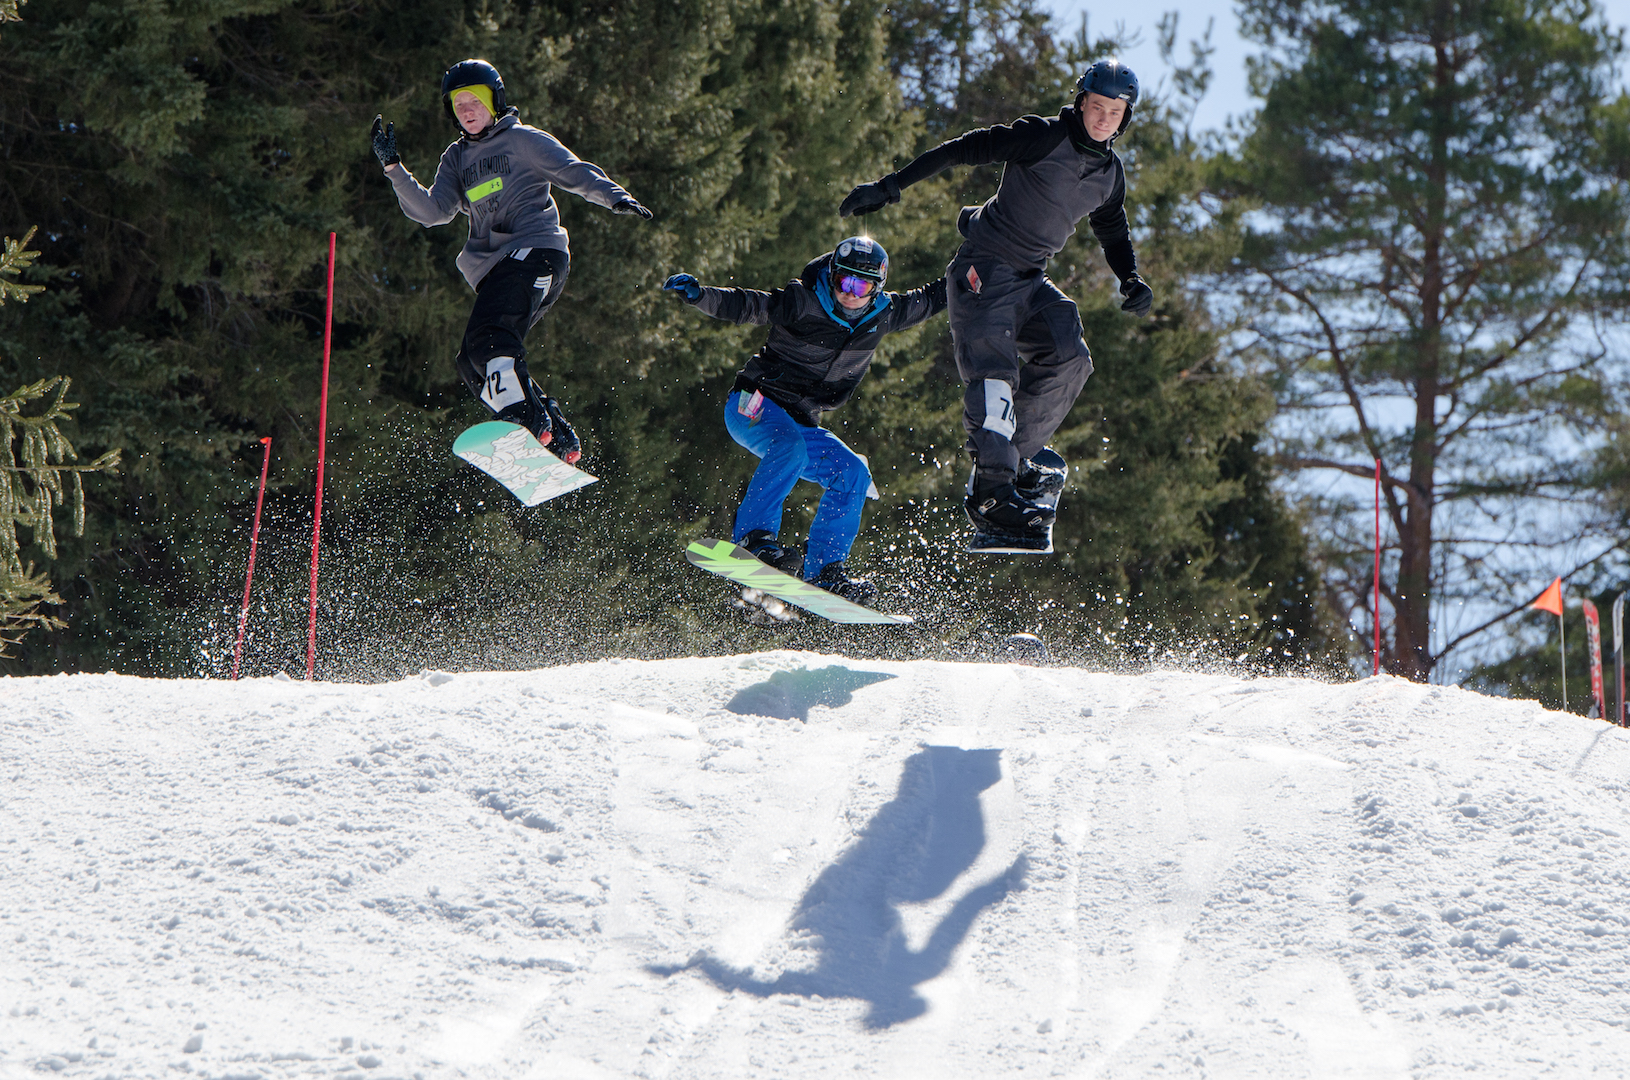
<point x="254" y="541"/>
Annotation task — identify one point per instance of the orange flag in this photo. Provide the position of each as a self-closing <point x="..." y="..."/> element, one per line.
<point x="1551" y="599"/>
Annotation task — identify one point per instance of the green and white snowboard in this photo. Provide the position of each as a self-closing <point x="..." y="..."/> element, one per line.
<point x="729" y="561"/>
<point x="512" y="456"/>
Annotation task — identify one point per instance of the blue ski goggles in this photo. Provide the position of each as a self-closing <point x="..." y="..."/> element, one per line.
<point x="855" y="285"/>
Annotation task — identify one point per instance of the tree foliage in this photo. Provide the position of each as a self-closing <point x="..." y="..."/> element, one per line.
<point x="34" y="460"/>
<point x="1439" y="264"/>
<point x="187" y="162"/>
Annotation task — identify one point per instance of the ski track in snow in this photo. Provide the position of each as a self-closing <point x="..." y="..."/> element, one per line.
<point x="787" y="864"/>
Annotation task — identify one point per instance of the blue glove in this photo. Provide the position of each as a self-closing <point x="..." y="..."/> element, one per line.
<point x="685" y="285"/>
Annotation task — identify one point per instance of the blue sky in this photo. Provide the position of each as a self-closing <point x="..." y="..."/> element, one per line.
<point x="1227" y="96"/>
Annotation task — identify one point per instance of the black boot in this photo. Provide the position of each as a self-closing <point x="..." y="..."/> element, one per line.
<point x="1004" y="509"/>
<point x="532" y="418"/>
<point x="565" y="444"/>
<point x="1038" y="482"/>
<point x="762" y="544"/>
<point x="835" y="579"/>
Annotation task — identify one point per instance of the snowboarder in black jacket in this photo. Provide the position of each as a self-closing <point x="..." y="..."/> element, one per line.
<point x="1017" y="337"/>
<point x="500" y="173"/>
<point x="824" y="327"/>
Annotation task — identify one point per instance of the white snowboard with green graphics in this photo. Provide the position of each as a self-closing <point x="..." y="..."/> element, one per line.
<point x="729" y="561"/>
<point x="512" y="456"/>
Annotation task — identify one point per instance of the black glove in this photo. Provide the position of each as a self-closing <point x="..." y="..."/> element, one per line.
<point x="1139" y="297"/>
<point x="384" y="136"/>
<point x="685" y="285"/>
<point x="631" y="206"/>
<point x="935" y="291"/>
<point x="869" y="197"/>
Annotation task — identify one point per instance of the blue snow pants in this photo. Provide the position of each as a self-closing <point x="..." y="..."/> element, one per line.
<point x="793" y="452"/>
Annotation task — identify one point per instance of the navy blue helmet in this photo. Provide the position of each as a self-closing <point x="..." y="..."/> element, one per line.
<point x="473" y="73"/>
<point x="1112" y="79"/>
<point x="863" y="257"/>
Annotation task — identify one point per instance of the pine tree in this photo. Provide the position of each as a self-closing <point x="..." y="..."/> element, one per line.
<point x="33" y="466"/>
<point x="1442" y="187"/>
<point x="187" y="165"/>
<point x="1171" y="538"/>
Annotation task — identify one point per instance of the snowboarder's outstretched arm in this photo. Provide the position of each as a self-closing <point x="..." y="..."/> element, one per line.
<point x="739" y="306"/>
<point x="909" y="308"/>
<point x="1026" y="140"/>
<point x="436" y="205"/>
<point x="582" y="178"/>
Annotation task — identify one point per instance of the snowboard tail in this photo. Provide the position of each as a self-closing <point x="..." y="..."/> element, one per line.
<point x="729" y="561"/>
<point x="512" y="455"/>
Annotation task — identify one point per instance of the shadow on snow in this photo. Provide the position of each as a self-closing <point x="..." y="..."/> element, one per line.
<point x="913" y="850"/>
<point x="788" y="695"/>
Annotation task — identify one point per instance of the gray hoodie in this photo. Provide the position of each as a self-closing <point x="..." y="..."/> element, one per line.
<point x="501" y="178"/>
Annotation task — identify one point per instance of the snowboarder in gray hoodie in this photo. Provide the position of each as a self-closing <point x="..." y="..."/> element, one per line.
<point x="500" y="173"/>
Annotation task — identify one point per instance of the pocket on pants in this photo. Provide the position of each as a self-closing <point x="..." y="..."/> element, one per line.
<point x="1064" y="325"/>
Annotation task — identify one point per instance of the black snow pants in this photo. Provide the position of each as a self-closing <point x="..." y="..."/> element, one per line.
<point x="510" y="300"/>
<point x="1020" y="352"/>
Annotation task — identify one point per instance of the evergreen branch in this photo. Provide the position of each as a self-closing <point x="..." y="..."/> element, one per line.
<point x="104" y="463"/>
<point x="1524" y="337"/>
<point x="1337" y="356"/>
<point x="16" y="258"/>
<point x="1291" y="461"/>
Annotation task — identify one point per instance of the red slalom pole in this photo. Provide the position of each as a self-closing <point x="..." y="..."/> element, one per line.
<point x="254" y="541"/>
<point x="322" y="442"/>
<point x="1377" y="668"/>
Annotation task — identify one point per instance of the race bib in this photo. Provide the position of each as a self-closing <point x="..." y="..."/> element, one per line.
<point x="502" y="389"/>
<point x="999" y="416"/>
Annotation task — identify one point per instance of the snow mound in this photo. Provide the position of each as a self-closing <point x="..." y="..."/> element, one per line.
<point x="787" y="864"/>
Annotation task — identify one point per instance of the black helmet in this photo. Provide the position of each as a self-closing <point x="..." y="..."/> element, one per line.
<point x="1112" y="79"/>
<point x="473" y="73"/>
<point x="863" y="257"/>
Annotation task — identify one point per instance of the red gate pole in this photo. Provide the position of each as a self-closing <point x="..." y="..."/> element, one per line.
<point x="254" y="541"/>
<point x="322" y="441"/>
<point x="1377" y="668"/>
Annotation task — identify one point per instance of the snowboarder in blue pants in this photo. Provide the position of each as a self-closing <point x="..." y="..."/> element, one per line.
<point x="825" y="326"/>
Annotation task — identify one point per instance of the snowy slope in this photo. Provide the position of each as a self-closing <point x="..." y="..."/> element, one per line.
<point x="796" y="865"/>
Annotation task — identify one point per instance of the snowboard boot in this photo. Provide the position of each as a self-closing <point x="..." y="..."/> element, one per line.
<point x="564" y="442"/>
<point x="1006" y="519"/>
<point x="762" y="545"/>
<point x="1004" y="509"/>
<point x="835" y="579"/>
<point x="531" y="417"/>
<point x="1038" y="482"/>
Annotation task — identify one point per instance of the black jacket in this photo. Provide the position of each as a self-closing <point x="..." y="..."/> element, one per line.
<point x="1055" y="176"/>
<point x="814" y="358"/>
